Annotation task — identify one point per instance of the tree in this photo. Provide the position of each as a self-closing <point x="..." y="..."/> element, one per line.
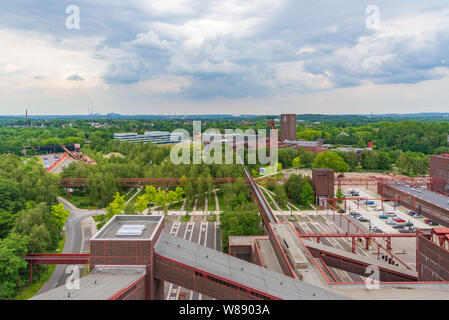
<point x="332" y="160"/>
<point x="296" y="163"/>
<point x="115" y="207"/>
<point x="281" y="195"/>
<point x="59" y="215"/>
<point x="294" y="186"/>
<point x="39" y="226"/>
<point x="307" y="194"/>
<point x="12" y="265"/>
<point x="239" y="223"/>
<point x="339" y="195"/>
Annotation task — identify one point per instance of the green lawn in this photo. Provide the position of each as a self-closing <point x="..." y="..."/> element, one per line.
<point x="45" y="274"/>
<point x="185" y="218"/>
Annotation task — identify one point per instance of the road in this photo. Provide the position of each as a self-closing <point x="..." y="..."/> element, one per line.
<point x="74" y="241"/>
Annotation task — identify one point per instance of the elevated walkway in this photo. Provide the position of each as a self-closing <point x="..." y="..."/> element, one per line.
<point x="357" y="264"/>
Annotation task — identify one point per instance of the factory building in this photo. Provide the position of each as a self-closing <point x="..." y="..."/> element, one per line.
<point x="323" y="184"/>
<point x="288" y="127"/>
<point x="439" y="172"/>
<point x="430" y="204"/>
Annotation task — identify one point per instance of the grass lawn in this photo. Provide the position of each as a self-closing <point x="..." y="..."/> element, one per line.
<point x="211" y="204"/>
<point x="175" y="206"/>
<point x="45" y="274"/>
<point x="269" y="199"/>
<point x="185" y="218"/>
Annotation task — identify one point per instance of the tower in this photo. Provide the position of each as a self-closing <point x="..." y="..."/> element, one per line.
<point x="288" y="127"/>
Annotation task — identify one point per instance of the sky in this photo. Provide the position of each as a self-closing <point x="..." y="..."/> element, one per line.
<point x="224" y="56"/>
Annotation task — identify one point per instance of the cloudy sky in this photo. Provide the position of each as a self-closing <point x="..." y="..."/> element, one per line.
<point x="224" y="56"/>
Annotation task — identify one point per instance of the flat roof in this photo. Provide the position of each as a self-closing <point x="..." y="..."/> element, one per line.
<point x="109" y="230"/>
<point x="423" y="194"/>
<point x="101" y="284"/>
<point x="268" y="255"/>
<point x="290" y="241"/>
<point x="244" y="240"/>
<point x="239" y="271"/>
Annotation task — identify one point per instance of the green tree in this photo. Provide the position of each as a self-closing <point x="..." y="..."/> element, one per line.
<point x="296" y="163"/>
<point x="307" y="194"/>
<point x="59" y="215"/>
<point x="116" y="207"/>
<point x="12" y="265"/>
<point x="239" y="223"/>
<point x="332" y="160"/>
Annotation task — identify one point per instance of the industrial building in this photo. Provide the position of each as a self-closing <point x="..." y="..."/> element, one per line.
<point x="132" y="256"/>
<point x="430" y="204"/>
<point x="323" y="184"/>
<point x="439" y="172"/>
<point x="155" y="137"/>
<point x="312" y="146"/>
<point x="288" y="127"/>
<point x="432" y="248"/>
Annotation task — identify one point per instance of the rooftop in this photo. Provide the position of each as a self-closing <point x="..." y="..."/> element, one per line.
<point x="123" y="227"/>
<point x="239" y="271"/>
<point x="423" y="194"/>
<point x="101" y="284"/>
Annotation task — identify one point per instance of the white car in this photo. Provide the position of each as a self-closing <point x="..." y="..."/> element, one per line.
<point x="377" y="209"/>
<point x="390" y="222"/>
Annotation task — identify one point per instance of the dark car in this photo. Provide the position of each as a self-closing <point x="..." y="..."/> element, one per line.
<point x="342" y="211"/>
<point x="432" y="223"/>
<point x="404" y="230"/>
<point x="362" y="219"/>
<point x="399" y="226"/>
<point x="408" y="224"/>
<point x="355" y="214"/>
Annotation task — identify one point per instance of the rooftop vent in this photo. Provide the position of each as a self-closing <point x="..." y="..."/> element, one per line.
<point x="131" y="230"/>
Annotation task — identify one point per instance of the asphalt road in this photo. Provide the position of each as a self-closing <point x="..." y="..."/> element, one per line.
<point x="74" y="238"/>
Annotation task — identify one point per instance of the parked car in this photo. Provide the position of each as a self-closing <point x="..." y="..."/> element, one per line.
<point x="408" y="224"/>
<point x="342" y="211"/>
<point x="390" y="222"/>
<point x="369" y="202"/>
<point x="411" y="213"/>
<point x="362" y="219"/>
<point x="399" y="220"/>
<point x="377" y="209"/>
<point x="433" y="223"/>
<point x="355" y="214"/>
<point x="398" y="226"/>
<point x="376" y="229"/>
<point x="383" y="217"/>
<point x="405" y="230"/>
<point x="390" y="214"/>
<point x="417" y="215"/>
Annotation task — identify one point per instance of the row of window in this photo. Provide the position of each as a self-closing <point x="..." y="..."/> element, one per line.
<point x="233" y="286"/>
